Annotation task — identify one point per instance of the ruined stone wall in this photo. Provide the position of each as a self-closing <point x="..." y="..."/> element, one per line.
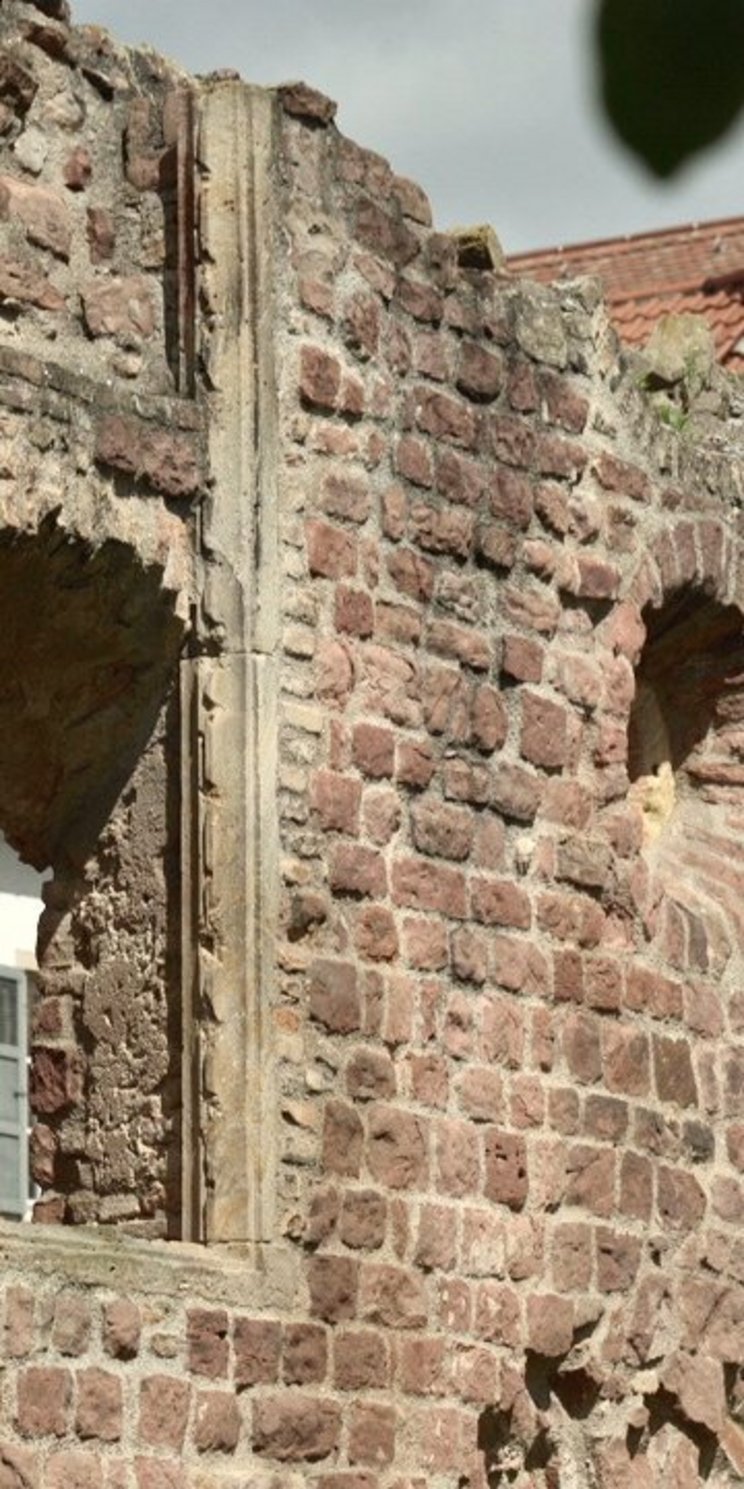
<point x="99" y="469"/>
<point x="485" y="604"/>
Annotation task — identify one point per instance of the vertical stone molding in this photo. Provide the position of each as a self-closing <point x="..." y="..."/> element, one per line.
<point x="231" y="686"/>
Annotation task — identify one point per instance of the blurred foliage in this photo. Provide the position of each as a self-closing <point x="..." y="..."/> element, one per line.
<point x="672" y="74"/>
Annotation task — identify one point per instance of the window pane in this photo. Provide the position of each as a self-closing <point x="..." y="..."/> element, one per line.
<point x="8" y="1011"/>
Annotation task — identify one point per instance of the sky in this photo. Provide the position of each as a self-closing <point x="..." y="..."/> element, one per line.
<point x="489" y="104"/>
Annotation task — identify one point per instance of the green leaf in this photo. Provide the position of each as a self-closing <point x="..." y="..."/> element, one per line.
<point x="672" y="74"/>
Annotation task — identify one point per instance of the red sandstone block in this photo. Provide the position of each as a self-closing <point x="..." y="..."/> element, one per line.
<point x="99" y="1405"/>
<point x="73" y="1469"/>
<point x="581" y="1047"/>
<point x="373" y="750"/>
<point x="353" y="611"/>
<point x="469" y="953"/>
<point x="464" y="644"/>
<point x="618" y="1260"/>
<point x="163" y="1411"/>
<point x="444" y="417"/>
<point x="122" y="1328"/>
<point x="544" y="734"/>
<point x="167" y="459"/>
<point x="257" y="1345"/>
<point x="550" y="1321"/>
<point x="334" y="998"/>
<point x="397" y="623"/>
<point x="375" y="933"/>
<point x="481" y="1094"/>
<point x="392" y="1297"/>
<point x="625" y="1060"/>
<point x="512" y="440"/>
<point x="411" y="573"/>
<point x="636" y="1186"/>
<point x="499" y="902"/>
<point x="295" y="1428"/>
<point x="436" y="1238"/>
<point x="44" y="1400"/>
<point x="320" y="378"/>
<point x="476" y="1372"/>
<point x="536" y="609"/>
<point x="506" y="1179"/>
<point x="591" y="1179"/>
<point x="413" y="461"/>
<point x="480" y="373"/>
<point x="561" y="458"/>
<point x="502" y="1033"/>
<point x="372" y="1431"/>
<point x="490" y="719"/>
<point x="463" y="781"/>
<point x="381" y="812"/>
<point x="424" y="304"/>
<point x="458" y="1165"/>
<point x="424" y="1366"/>
<point x="673" y="1072"/>
<point x="336" y="799"/>
<point x="363" y="1219"/>
<point x="18" y="1338"/>
<point x="454" y="1311"/>
<point x="357" y="870"/>
<point x="206" y="1330"/>
<point x="370" y="1074"/>
<point x="680" y="1199"/>
<point x="56" y="1079"/>
<point x="497" y="1314"/>
<point x="459" y="478"/>
<point x="516" y="792"/>
<point x="334" y="1285"/>
<point x="429" y="1076"/>
<point x="158" y="1473"/>
<point x="343" y="1136"/>
<point x="440" y="830"/>
<point x="423" y="885"/>
<point x="425" y="943"/>
<point x="605" y="1118"/>
<point x="650" y="992"/>
<point x="616" y="475"/>
<point x="496" y="545"/>
<point x="360" y="1360"/>
<point x="572" y="1257"/>
<point x="445" y="529"/>
<point x="217" y="1424"/>
<point x="332" y="553"/>
<point x="42" y="214"/>
<point x="397" y="1148"/>
<point x="563" y="405"/>
<point x="383" y="234"/>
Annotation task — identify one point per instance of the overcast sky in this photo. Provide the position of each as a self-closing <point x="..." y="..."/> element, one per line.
<point x="488" y="104"/>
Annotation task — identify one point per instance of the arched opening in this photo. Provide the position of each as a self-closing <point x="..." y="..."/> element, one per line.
<point x="686" y="769"/>
<point x="90" y="641"/>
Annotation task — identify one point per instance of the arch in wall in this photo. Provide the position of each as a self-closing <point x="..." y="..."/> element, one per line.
<point x="91" y="640"/>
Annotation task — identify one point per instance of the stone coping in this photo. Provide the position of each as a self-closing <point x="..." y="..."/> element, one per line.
<point x="91" y="1256"/>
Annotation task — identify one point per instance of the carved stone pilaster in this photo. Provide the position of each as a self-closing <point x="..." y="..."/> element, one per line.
<point x="230" y="690"/>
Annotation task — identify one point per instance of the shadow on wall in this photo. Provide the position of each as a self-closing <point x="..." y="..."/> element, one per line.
<point x="686" y="766"/>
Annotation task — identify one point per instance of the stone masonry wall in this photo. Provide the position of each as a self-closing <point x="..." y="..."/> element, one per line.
<point x="506" y="1025"/>
<point x="99" y="468"/>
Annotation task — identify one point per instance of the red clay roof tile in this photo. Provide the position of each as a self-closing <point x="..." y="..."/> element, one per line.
<point x="698" y="269"/>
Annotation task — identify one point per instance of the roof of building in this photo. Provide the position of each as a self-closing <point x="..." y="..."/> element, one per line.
<point x="698" y="268"/>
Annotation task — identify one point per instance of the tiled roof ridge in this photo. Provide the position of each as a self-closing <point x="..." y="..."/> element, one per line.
<point x="627" y="242"/>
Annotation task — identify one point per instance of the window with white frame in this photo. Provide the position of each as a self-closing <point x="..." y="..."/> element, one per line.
<point x="20" y="907"/>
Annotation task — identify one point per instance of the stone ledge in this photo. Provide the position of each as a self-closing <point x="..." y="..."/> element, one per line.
<point x="232" y="1276"/>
